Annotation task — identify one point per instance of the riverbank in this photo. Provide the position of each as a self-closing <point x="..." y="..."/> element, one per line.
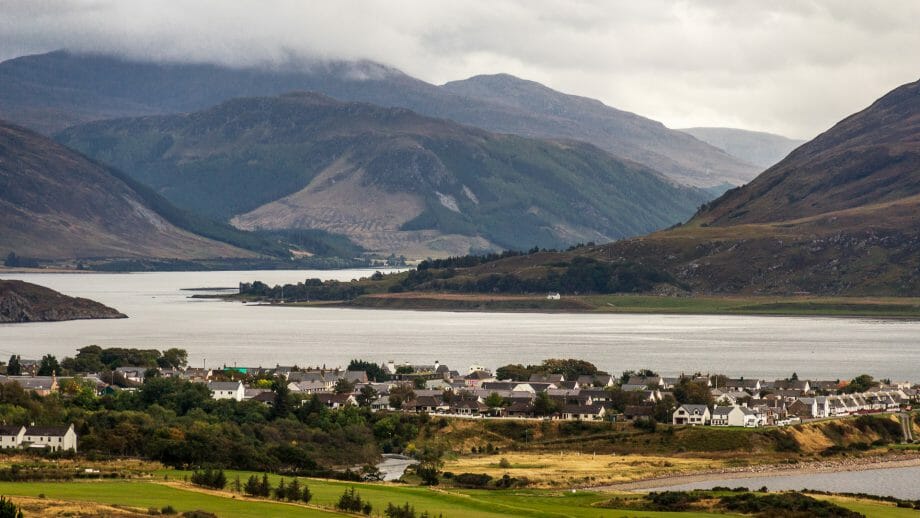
<point x="773" y="470"/>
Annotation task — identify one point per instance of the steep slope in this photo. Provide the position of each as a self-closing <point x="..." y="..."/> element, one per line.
<point x="868" y="158"/>
<point x="57" y="204"/>
<point x="754" y="147"/>
<point x="391" y="179"/>
<point x="839" y="215"/>
<point x="26" y="302"/>
<point x="674" y="153"/>
<point x="52" y="91"/>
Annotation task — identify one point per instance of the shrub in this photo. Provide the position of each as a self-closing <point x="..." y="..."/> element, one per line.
<point x="504" y="464"/>
<point x="351" y="501"/>
<point x="8" y="509"/>
<point x="472" y="480"/>
<point x="672" y="500"/>
<point x="395" y="511"/>
<point x="784" y="504"/>
<point x="168" y="510"/>
<point x="215" y="479"/>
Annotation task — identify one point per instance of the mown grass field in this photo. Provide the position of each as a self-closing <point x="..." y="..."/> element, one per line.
<point x="449" y="503"/>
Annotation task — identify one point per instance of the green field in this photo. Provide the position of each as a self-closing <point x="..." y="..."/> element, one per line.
<point x="465" y="503"/>
<point x="882" y="307"/>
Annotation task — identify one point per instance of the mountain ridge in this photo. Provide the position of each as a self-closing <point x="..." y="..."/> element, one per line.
<point x="60" y="89"/>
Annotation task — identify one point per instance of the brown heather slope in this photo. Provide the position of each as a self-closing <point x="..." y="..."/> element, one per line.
<point x="57" y="204"/>
<point x="870" y="157"/>
<point x="25" y="302"/>
<point x="838" y="216"/>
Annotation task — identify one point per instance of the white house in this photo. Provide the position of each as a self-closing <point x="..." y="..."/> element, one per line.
<point x="227" y="390"/>
<point x="736" y="415"/>
<point x="11" y="436"/>
<point x="692" y="415"/>
<point x="55" y="438"/>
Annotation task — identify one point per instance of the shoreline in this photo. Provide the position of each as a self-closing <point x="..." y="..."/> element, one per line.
<point x="767" y="471"/>
<point x="571" y="311"/>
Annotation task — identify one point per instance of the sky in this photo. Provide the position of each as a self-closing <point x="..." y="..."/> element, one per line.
<point x="788" y="67"/>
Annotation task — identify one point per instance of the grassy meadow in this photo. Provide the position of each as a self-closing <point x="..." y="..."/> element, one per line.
<point x="134" y="497"/>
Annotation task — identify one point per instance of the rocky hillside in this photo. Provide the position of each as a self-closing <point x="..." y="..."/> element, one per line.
<point x="754" y="147"/>
<point x="25" y="302"/>
<point x="52" y="91"/>
<point x="390" y="179"/>
<point x="58" y="204"/>
<point x="840" y="215"/>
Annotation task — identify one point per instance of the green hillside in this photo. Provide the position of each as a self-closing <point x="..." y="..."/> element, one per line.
<point x="388" y="178"/>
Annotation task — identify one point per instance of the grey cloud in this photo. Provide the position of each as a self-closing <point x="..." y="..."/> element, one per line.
<point x="790" y="66"/>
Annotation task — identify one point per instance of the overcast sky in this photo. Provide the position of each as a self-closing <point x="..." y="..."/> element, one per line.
<point x="792" y="68"/>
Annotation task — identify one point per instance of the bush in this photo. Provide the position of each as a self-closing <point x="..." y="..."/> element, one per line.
<point x="472" y="480"/>
<point x="395" y="511"/>
<point x="168" y="510"/>
<point x="784" y="504"/>
<point x="672" y="500"/>
<point x="8" y="509"/>
<point x="215" y="479"/>
<point x="504" y="464"/>
<point x="351" y="501"/>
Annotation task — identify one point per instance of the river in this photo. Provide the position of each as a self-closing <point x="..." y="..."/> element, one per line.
<point x="222" y="333"/>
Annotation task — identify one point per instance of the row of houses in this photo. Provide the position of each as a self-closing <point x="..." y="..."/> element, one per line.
<point x="774" y="411"/>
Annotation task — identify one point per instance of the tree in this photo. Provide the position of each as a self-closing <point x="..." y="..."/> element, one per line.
<point x="367" y="395"/>
<point x="374" y="371"/>
<point x="543" y="405"/>
<point x="282" y="406"/>
<point x="692" y="393"/>
<point x="514" y="372"/>
<point x="428" y="472"/>
<point x="14" y="368"/>
<point x="395" y="511"/>
<point x="281" y="491"/>
<point x="495" y="400"/>
<point x="306" y="495"/>
<point x="794" y="377"/>
<point x="173" y="359"/>
<point x="400" y="394"/>
<point x="48" y="366"/>
<point x="265" y="488"/>
<point x="570" y="368"/>
<point x="8" y="509"/>
<point x="860" y="383"/>
<point x="293" y="490"/>
<point x="351" y="501"/>
<point x="343" y="386"/>
<point x="252" y="487"/>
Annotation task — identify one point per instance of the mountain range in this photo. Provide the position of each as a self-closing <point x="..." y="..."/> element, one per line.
<point x="391" y="179"/>
<point x="50" y="92"/>
<point x="58" y="204"/>
<point x="839" y="215"/>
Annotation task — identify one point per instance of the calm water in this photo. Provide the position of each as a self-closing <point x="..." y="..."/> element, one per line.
<point x="162" y="315"/>
<point x="897" y="482"/>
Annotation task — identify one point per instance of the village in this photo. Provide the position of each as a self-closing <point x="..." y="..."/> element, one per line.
<point x="436" y="389"/>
